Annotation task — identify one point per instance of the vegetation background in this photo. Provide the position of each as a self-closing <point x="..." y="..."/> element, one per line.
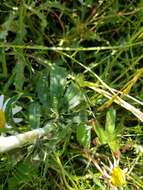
<point x="75" y="66"/>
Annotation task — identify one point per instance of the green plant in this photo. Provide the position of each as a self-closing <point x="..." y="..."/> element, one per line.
<point x="75" y="69"/>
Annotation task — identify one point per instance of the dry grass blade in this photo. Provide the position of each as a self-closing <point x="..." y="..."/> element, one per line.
<point x="121" y="102"/>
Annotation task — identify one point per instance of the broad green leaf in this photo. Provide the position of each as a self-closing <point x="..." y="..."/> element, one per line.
<point x="57" y="85"/>
<point x="83" y="135"/>
<point x="51" y="86"/>
<point x="73" y="96"/>
<point x="34" y="115"/>
<point x="54" y="91"/>
<point x="57" y="81"/>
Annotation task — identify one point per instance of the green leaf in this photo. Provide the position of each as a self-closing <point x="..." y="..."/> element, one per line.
<point x="54" y="91"/>
<point x="8" y="25"/>
<point x="19" y="70"/>
<point x="42" y="88"/>
<point x="83" y="135"/>
<point x="73" y="96"/>
<point x="57" y="86"/>
<point x="19" y="76"/>
<point x="24" y="173"/>
<point x="113" y="140"/>
<point x="101" y="133"/>
<point x="34" y="115"/>
<point x="3" y="62"/>
<point x="114" y="144"/>
<point x="51" y="86"/>
<point x="57" y="81"/>
<point x="110" y="121"/>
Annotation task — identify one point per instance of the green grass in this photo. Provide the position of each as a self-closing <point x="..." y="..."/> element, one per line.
<point x="75" y="66"/>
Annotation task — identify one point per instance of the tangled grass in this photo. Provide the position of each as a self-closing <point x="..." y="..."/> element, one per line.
<point x="75" y="69"/>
